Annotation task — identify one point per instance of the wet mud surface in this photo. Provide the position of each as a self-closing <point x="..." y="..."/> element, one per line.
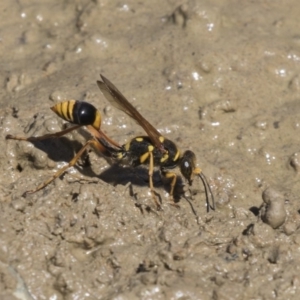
<point x="220" y="78"/>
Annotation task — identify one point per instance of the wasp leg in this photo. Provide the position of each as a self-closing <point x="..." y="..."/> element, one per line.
<point x="43" y="137"/>
<point x="91" y="142"/>
<point x="96" y="133"/>
<point x="150" y="173"/>
<point x="172" y="176"/>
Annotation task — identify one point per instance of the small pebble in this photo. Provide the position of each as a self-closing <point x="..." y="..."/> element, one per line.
<point x="273" y="211"/>
<point x="19" y="205"/>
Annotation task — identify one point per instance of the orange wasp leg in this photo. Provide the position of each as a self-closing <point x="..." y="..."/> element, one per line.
<point x="150" y="173"/>
<point x="172" y="176"/>
<point x="43" y="137"/>
<point x="91" y="142"/>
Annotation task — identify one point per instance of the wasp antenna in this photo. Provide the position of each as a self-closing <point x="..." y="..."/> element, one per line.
<point x="207" y="191"/>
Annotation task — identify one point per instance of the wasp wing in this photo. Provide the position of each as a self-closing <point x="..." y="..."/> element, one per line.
<point x="115" y="97"/>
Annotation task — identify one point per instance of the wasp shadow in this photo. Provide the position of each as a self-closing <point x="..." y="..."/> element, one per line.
<point x="63" y="149"/>
<point x="58" y="149"/>
<point x="139" y="176"/>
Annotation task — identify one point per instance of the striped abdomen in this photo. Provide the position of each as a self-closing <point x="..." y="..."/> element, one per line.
<point x="78" y="112"/>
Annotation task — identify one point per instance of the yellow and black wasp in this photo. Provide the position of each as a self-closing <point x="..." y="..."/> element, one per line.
<point x="152" y="149"/>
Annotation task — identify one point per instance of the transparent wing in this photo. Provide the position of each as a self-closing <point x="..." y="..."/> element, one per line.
<point x="115" y="97"/>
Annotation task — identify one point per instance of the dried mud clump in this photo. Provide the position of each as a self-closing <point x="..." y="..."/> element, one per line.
<point x="273" y="211"/>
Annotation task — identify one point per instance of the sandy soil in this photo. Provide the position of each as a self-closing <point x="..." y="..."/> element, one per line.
<point x="218" y="77"/>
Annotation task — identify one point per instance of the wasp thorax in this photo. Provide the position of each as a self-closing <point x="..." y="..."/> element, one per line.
<point x="188" y="165"/>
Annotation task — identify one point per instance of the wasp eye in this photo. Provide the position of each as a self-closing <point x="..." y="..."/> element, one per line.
<point x="188" y="165"/>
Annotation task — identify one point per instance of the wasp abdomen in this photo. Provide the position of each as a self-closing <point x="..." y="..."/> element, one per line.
<point x="78" y="112"/>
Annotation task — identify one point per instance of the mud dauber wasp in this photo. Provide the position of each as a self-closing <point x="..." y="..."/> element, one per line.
<point x="153" y="149"/>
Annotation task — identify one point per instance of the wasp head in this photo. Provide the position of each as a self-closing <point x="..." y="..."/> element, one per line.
<point x="188" y="166"/>
<point x="189" y="170"/>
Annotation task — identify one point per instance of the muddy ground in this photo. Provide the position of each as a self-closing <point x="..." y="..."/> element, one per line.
<point x="218" y="77"/>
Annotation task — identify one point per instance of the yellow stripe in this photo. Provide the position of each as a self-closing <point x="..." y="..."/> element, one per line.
<point x="150" y="148"/>
<point x="70" y="109"/>
<point x="144" y="157"/>
<point x="139" y="139"/>
<point x="127" y="146"/>
<point x="97" y="121"/>
<point x="119" y="156"/>
<point x="161" y="139"/>
<point x="176" y="156"/>
<point x="64" y="109"/>
<point x="57" y="109"/>
<point x="164" y="158"/>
